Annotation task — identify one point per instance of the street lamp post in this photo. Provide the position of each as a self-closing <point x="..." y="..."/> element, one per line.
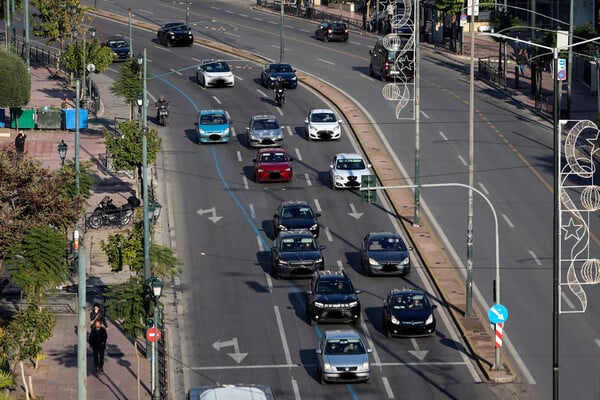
<point x="144" y="60"/>
<point x="62" y="151"/>
<point x="156" y="285"/>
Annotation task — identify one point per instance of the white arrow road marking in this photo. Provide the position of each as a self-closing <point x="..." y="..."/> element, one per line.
<point x="354" y="214"/>
<point x="498" y="314"/>
<point x="236" y="355"/>
<point x="419" y="354"/>
<point x="597" y="342"/>
<point x="214" y="218"/>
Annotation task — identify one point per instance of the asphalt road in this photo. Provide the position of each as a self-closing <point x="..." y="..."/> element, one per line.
<point x="513" y="163"/>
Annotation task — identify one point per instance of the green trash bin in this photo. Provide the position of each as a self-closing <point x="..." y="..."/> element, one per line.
<point x="25" y="119"/>
<point x="48" y="118"/>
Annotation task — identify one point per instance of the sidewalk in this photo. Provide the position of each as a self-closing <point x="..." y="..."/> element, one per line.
<point x="56" y="377"/>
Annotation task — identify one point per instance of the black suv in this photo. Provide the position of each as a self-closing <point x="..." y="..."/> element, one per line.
<point x="120" y="48"/>
<point x="175" y="33"/>
<point x="294" y="216"/>
<point x="397" y="62"/>
<point x="332" y="298"/>
<point x="296" y="254"/>
<point x="332" y="31"/>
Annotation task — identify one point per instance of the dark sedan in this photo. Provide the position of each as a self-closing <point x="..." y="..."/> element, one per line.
<point x="175" y="34"/>
<point x="328" y="31"/>
<point x="296" y="254"/>
<point x="294" y="216"/>
<point x="120" y="48"/>
<point x="407" y="312"/>
<point x="384" y="253"/>
<point x="271" y="72"/>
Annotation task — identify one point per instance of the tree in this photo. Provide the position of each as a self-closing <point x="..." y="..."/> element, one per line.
<point x="15" y="81"/>
<point x="56" y="19"/>
<point x="31" y="195"/>
<point x="591" y="50"/>
<point x="95" y="53"/>
<point x="129" y="85"/>
<point x="452" y="8"/>
<point x="127" y="148"/>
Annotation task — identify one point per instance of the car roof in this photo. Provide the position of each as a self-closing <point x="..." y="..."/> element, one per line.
<point x="273" y="64"/>
<point x="300" y="233"/>
<point x="397" y="291"/>
<point x="295" y="203"/>
<point x="231" y="392"/>
<point x="205" y="112"/>
<point x="263" y="117"/>
<point x="115" y="38"/>
<point x="321" y="111"/>
<point x="378" y="235"/>
<point x="342" y="334"/>
<point x="349" y="156"/>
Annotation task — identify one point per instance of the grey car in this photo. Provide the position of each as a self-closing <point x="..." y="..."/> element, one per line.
<point x="343" y="357"/>
<point x="264" y="131"/>
<point x="384" y="253"/>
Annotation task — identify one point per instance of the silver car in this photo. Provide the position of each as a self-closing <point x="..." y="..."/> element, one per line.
<point x="343" y="357"/>
<point x="264" y="131"/>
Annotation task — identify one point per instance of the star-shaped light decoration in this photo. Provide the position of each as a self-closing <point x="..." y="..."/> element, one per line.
<point x="572" y="230"/>
<point x="595" y="142"/>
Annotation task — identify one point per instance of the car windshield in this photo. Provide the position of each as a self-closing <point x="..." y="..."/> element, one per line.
<point x="298" y="244"/>
<point x="217" y="67"/>
<point x="292" y="212"/>
<point x="213" y="119"/>
<point x="180" y="28"/>
<point x="338" y="26"/>
<point x="387" y="244"/>
<point x="263" y="124"/>
<point x="347" y="164"/>
<point x="409" y="302"/>
<point x="117" y="43"/>
<point x="273" y="157"/>
<point x="334" y="287"/>
<point x="281" y="68"/>
<point x="344" y="346"/>
<point x="322" y="117"/>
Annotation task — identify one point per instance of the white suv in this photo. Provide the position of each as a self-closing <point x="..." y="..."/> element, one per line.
<point x="346" y="170"/>
<point x="322" y="124"/>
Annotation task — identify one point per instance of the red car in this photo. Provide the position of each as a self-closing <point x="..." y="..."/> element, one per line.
<point x="272" y="165"/>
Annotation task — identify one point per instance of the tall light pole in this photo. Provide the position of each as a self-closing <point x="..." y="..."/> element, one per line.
<point x="130" y="37"/>
<point x="156" y="286"/>
<point x="26" y="39"/>
<point x="281" y="41"/>
<point x="144" y="62"/>
<point x="77" y="174"/>
<point x="417" y="60"/>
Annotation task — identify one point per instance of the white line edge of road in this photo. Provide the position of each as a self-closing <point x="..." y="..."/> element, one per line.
<point x="286" y="349"/>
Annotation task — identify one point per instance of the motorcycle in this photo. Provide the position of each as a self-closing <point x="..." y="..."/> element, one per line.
<point x="163" y="114"/>
<point x="106" y="213"/>
<point x="280" y="96"/>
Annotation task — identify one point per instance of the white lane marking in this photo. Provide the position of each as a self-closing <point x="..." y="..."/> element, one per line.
<point x="215" y="8"/>
<point x="484" y="189"/>
<point x="357" y="43"/>
<point x="462" y="160"/>
<point x="325" y="61"/>
<point x="443" y="136"/>
<point x="567" y="300"/>
<point x="535" y="257"/>
<point x="328" y="234"/>
<point x="305" y="366"/>
<point x="232" y="131"/>
<point x="388" y="388"/>
<point x="425" y="114"/>
<point x="252" y="213"/>
<point x="239" y="156"/>
<point x="217" y="100"/>
<point x="339" y="263"/>
<point x="257" y="19"/>
<point x="197" y="59"/>
<point x="229" y="12"/>
<point x="307" y="179"/>
<point x="279" y="111"/>
<point x="289" y="26"/>
<point x="290" y="131"/>
<point x="227" y="115"/>
<point x="261" y="248"/>
<point x="597" y="342"/>
<point x="243" y="15"/>
<point x="303" y="30"/>
<point x="274" y="22"/>
<point x="232" y="34"/>
<point x="269" y="282"/>
<point x="508" y="222"/>
<point x="295" y="389"/>
<point x="263" y="94"/>
<point x="317" y="205"/>
<point x="246" y="186"/>
<point x="367" y="77"/>
<point x="298" y="155"/>
<point x="176" y="71"/>
<point x="286" y="350"/>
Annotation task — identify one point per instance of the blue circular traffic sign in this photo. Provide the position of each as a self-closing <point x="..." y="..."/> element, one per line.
<point x="561" y="75"/>
<point x="497" y="314"/>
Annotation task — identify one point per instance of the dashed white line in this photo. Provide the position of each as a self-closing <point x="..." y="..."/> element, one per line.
<point x="317" y="205"/>
<point x="257" y="19"/>
<point x="484" y="189"/>
<point x="217" y="100"/>
<point x="232" y="34"/>
<point x="289" y="26"/>
<point x="228" y="116"/>
<point x="289" y="130"/>
<point x="303" y="30"/>
<point x="232" y="131"/>
<point x="279" y="111"/>
<point x="243" y="15"/>
<point x="239" y="156"/>
<point x="298" y="155"/>
<point x="175" y="71"/>
<point x="274" y="22"/>
<point x="462" y="160"/>
<point x="325" y="61"/>
<point x="328" y="234"/>
<point x="295" y="389"/>
<point x="388" y="388"/>
<point x="263" y="94"/>
<point x="307" y="179"/>
<point x="507" y="220"/>
<point x="567" y="300"/>
<point x="367" y="77"/>
<point x="269" y="281"/>
<point x="339" y="263"/>
<point x="229" y="12"/>
<point x="535" y="258"/>
<point x="357" y="43"/>
<point x="286" y="350"/>
<point x="443" y="136"/>
<point x="261" y="248"/>
<point x="252" y="213"/>
<point x="425" y="114"/>
<point x="245" y="180"/>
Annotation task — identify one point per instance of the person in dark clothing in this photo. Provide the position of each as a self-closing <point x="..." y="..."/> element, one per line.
<point x="20" y="143"/>
<point x="97" y="315"/>
<point x="97" y="341"/>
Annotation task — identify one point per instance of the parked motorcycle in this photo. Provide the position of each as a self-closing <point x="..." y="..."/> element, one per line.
<point x="107" y="213"/>
<point x="280" y="96"/>
<point x="163" y="114"/>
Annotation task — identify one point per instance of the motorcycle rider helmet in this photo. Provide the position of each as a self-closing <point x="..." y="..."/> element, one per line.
<point x="161" y="98"/>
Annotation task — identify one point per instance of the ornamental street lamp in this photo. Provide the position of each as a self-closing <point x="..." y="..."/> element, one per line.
<point x="62" y="151"/>
<point x="154" y="212"/>
<point x="156" y="286"/>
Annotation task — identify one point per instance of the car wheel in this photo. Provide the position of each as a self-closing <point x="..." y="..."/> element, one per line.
<point x="332" y="183"/>
<point x="326" y="38"/>
<point x="371" y="72"/>
<point x="168" y="43"/>
<point x="368" y="380"/>
<point x="202" y="83"/>
<point x="322" y="378"/>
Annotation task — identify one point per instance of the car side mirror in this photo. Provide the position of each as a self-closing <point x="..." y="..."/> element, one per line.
<point x="433" y="306"/>
<point x="358" y="291"/>
<point x="254" y="160"/>
<point x="369" y="350"/>
<point x="331" y="166"/>
<point x="371" y="52"/>
<point x="318" y="351"/>
<point x="306" y="121"/>
<point x="309" y="291"/>
<point x="322" y="247"/>
<point x="318" y="215"/>
<point x="340" y="121"/>
<point x="368" y="165"/>
<point x="247" y="128"/>
<point x="275" y="216"/>
<point x="409" y="248"/>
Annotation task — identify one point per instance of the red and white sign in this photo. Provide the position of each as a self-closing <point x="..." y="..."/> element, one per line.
<point x="499" y="327"/>
<point x="153" y="334"/>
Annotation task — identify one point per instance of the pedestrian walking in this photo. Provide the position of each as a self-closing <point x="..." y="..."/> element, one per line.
<point x="97" y="314"/>
<point x="20" y="143"/>
<point x="522" y="60"/>
<point x="97" y="341"/>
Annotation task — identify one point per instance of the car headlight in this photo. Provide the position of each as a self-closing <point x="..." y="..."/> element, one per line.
<point x="318" y="304"/>
<point x="353" y="304"/>
<point x="281" y="228"/>
<point x="201" y="131"/>
<point x="261" y="170"/>
<point x="319" y="260"/>
<point x="313" y="128"/>
<point x="365" y="366"/>
<point x="373" y="261"/>
<point x="405" y="261"/>
<point x="226" y="131"/>
<point x="339" y="177"/>
<point x="294" y="78"/>
<point x="314" y="227"/>
<point x="336" y="128"/>
<point x="429" y="320"/>
<point x="327" y="367"/>
<point x="288" y="169"/>
<point x="282" y="262"/>
<point x="394" y="320"/>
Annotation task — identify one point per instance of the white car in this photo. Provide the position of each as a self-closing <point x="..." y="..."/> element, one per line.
<point x="346" y="170"/>
<point x="214" y="73"/>
<point x="322" y="124"/>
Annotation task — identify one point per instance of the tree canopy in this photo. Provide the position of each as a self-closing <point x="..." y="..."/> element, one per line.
<point x="127" y="148"/>
<point x="15" y="80"/>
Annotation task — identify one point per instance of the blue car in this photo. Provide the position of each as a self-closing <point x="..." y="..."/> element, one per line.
<point x="213" y="127"/>
<point x="271" y="72"/>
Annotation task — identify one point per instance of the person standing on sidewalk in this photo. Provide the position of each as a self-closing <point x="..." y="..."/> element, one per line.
<point x="20" y="144"/>
<point x="97" y="315"/>
<point x="522" y="60"/>
<point x="97" y="340"/>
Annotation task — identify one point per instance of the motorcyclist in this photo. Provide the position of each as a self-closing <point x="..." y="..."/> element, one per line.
<point x="279" y="86"/>
<point x="160" y="103"/>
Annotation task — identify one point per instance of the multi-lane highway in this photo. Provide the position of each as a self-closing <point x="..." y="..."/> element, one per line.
<point x="239" y="324"/>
